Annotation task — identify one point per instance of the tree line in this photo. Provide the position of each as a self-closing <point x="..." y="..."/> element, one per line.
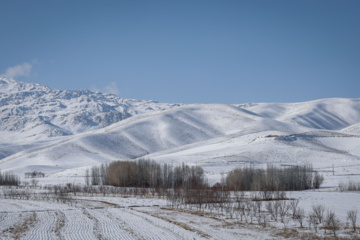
<point x="146" y="173"/>
<point x="188" y="185"/>
<point x="9" y="179"/>
<point x="292" y="178"/>
<point x="349" y="186"/>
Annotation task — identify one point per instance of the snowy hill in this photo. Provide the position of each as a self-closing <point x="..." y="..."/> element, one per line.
<point x="330" y="114"/>
<point x="85" y="128"/>
<point x="145" y="134"/>
<point x="353" y="129"/>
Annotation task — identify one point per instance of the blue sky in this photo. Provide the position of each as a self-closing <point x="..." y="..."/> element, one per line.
<point x="186" y="51"/>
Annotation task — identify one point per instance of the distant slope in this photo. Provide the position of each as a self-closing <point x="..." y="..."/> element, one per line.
<point x="353" y="129"/>
<point x="330" y="114"/>
<point x="220" y="155"/>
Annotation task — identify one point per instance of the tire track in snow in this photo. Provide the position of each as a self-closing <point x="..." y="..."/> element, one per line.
<point x="107" y="226"/>
<point x="43" y="229"/>
<point x="181" y="224"/>
<point x="96" y="229"/>
<point x="85" y="223"/>
<point x="77" y="226"/>
<point x="149" y="227"/>
<point x="5" y="205"/>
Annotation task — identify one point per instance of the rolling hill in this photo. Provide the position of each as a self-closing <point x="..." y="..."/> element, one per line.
<point x="44" y="135"/>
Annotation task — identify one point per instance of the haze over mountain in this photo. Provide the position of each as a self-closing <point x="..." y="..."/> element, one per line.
<point x="62" y="132"/>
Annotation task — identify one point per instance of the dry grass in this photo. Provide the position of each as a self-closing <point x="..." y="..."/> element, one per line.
<point x="106" y="204"/>
<point x="293" y="233"/>
<point x="60" y="223"/>
<point x="180" y="224"/>
<point x="17" y="231"/>
<point x="288" y="233"/>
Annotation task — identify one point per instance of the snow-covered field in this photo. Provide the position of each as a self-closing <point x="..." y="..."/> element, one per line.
<point x="124" y="218"/>
<point x="118" y="217"/>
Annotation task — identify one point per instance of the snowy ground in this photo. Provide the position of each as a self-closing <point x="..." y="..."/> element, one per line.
<point x="116" y="217"/>
<point x="44" y="220"/>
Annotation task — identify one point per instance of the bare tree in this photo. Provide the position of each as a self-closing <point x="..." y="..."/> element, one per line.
<point x="259" y="205"/>
<point x="294" y="207"/>
<point x="87" y="177"/>
<point x="299" y="216"/>
<point x="270" y="208"/>
<point x="351" y="217"/>
<point x="313" y="220"/>
<point x="318" y="212"/>
<point x="283" y="210"/>
<point x="318" y="180"/>
<point x="331" y="222"/>
<point x="34" y="182"/>
<point x="276" y="210"/>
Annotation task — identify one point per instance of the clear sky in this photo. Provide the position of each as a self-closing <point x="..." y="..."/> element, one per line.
<point x="186" y="51"/>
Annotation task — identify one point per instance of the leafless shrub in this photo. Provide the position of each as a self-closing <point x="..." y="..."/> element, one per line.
<point x="34" y="183"/>
<point x="294" y="207"/>
<point x="318" y="212"/>
<point x="264" y="220"/>
<point x="270" y="207"/>
<point x="318" y="180"/>
<point x="273" y="209"/>
<point x="351" y="217"/>
<point x="248" y="208"/>
<point x="276" y="210"/>
<point x="331" y="222"/>
<point x="259" y="205"/>
<point x="283" y="210"/>
<point x="313" y="221"/>
<point x="300" y="216"/>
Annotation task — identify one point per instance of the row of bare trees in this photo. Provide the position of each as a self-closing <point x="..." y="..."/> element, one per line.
<point x="145" y="174"/>
<point x="327" y="219"/>
<point x="349" y="186"/>
<point x="9" y="179"/>
<point x="248" y="209"/>
<point x="187" y="185"/>
<point x="292" y="178"/>
<point x="148" y="173"/>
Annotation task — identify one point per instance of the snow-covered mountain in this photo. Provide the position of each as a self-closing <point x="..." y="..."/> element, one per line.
<point x="63" y="132"/>
<point x="37" y="110"/>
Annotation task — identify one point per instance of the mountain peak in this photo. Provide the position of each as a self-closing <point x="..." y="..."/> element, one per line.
<point x="10" y="85"/>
